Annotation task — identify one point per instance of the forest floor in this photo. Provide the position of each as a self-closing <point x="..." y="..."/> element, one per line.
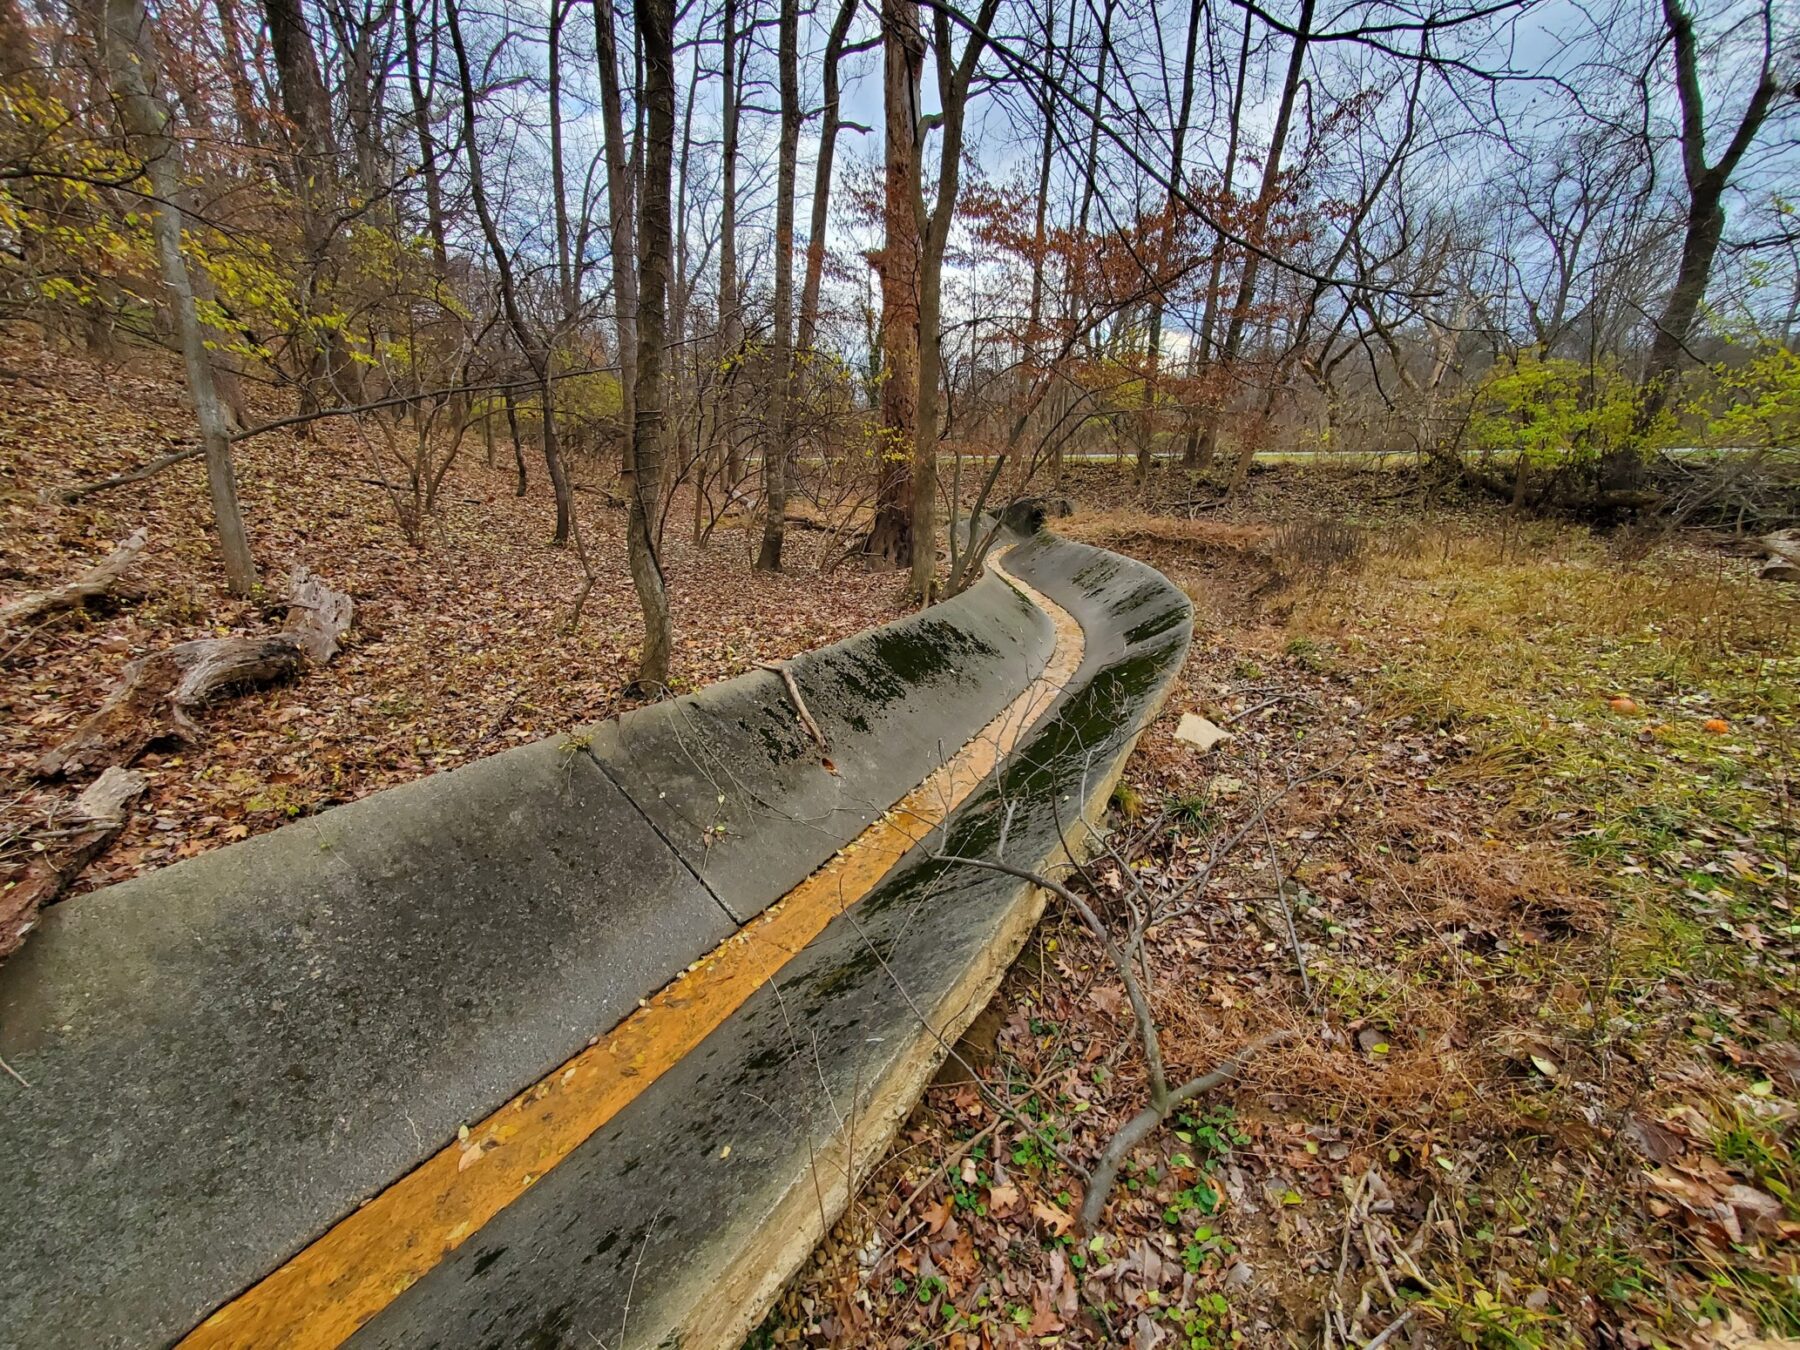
<point x="460" y="646"/>
<point x="1542" y="966"/>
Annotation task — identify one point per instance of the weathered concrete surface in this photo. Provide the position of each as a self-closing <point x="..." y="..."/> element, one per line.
<point x="677" y="1223"/>
<point x="229" y="1054"/>
<point x="891" y="704"/>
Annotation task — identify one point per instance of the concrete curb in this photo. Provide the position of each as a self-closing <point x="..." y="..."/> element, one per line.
<point x="228" y="1055"/>
<point x="677" y="1223"/>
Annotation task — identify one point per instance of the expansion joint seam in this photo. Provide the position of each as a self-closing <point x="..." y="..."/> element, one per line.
<point x="668" y="843"/>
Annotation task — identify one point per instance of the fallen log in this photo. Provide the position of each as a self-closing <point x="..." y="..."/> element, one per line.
<point x="157" y="694"/>
<point x="100" y="813"/>
<point x="101" y="579"/>
<point x="1783" y="549"/>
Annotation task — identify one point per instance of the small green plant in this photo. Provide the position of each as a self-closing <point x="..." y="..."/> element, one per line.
<point x="1037" y="1150"/>
<point x="1196" y="812"/>
<point x="1309" y="655"/>
<point x="1204" y="1246"/>
<point x="1199" y="1198"/>
<point x="1214" y="1134"/>
<point x="1206" y="1325"/>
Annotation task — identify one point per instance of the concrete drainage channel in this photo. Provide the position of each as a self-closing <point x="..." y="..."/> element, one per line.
<point x="586" y="1043"/>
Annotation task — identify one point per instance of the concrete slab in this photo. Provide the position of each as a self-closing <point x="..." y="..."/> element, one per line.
<point x="739" y="789"/>
<point x="228" y="1054"/>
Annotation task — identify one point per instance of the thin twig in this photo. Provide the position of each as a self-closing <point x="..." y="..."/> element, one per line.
<point x="15" y="1073"/>
<point x="800" y="709"/>
<point x="1387" y="1333"/>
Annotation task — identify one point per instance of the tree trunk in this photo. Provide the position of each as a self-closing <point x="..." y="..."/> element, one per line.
<point x="243" y="100"/>
<point x="1623" y="469"/>
<point x="656" y="31"/>
<point x="954" y="78"/>
<point x="1166" y="235"/>
<point x="131" y="63"/>
<point x="559" y="11"/>
<point x="903" y="55"/>
<point x="620" y="210"/>
<point x="731" y="314"/>
<point x="779" y="445"/>
<point x="307" y="107"/>
<point x="512" y="426"/>
<point x="421" y="105"/>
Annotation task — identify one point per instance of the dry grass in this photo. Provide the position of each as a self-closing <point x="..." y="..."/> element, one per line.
<point x="1553" y="952"/>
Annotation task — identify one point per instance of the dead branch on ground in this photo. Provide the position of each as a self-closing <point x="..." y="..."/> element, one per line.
<point x="103" y="578"/>
<point x="800" y="709"/>
<point x="157" y="694"/>
<point x="1123" y="943"/>
<point x="99" y="814"/>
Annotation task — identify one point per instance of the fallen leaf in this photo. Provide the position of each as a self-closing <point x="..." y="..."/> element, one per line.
<point x="1056" y="1220"/>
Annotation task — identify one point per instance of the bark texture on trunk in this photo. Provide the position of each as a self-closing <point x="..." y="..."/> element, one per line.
<point x="621" y="212"/>
<point x="955" y="75"/>
<point x="903" y="61"/>
<point x="778" y="445"/>
<point x="656" y="31"/>
<point x="731" y="313"/>
<point x="132" y="66"/>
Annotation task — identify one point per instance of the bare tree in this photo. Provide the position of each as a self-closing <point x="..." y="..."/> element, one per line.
<point x="536" y="350"/>
<point x="1705" y="215"/>
<point x="955" y="75"/>
<point x="778" y="444"/>
<point x="903" y="63"/>
<point x="656" y="33"/>
<point x="129" y="54"/>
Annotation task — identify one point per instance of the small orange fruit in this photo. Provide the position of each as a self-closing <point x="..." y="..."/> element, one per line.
<point x="1717" y="725"/>
<point x="1625" y="707"/>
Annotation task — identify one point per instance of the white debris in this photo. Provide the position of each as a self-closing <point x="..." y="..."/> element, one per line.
<point x="1200" y="733"/>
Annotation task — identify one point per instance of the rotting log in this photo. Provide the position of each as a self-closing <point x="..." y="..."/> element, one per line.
<point x="100" y="813"/>
<point x="157" y="694"/>
<point x="103" y="578"/>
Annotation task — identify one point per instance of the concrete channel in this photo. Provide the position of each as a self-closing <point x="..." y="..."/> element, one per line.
<point x="610" y="1022"/>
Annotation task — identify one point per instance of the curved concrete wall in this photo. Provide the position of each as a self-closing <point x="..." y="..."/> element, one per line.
<point x="695" y="1204"/>
<point x="229" y="1054"/>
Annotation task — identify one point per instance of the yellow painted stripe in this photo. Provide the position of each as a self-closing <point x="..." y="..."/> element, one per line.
<point x="321" y="1296"/>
